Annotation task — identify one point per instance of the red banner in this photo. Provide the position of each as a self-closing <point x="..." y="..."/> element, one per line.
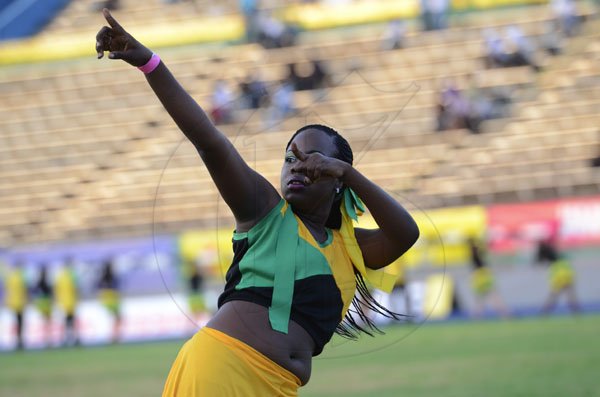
<point x="574" y="222"/>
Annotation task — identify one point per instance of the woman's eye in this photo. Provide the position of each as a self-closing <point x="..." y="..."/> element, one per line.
<point x="290" y="157"/>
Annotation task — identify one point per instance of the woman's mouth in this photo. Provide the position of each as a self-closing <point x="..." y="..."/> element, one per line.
<point x="296" y="184"/>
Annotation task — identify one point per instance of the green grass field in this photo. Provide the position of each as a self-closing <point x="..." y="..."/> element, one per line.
<point x="556" y="356"/>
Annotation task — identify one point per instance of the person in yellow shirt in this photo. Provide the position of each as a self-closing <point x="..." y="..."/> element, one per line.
<point x="561" y="276"/>
<point x="196" y="300"/>
<point x="66" y="297"/>
<point x="16" y="296"/>
<point x="482" y="281"/>
<point x="42" y="292"/>
<point x="108" y="292"/>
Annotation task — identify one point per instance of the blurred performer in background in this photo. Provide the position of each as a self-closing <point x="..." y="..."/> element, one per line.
<point x="561" y="275"/>
<point x="482" y="281"/>
<point x="108" y="287"/>
<point x="42" y="292"/>
<point x="15" y="289"/>
<point x="196" y="293"/>
<point x="66" y="298"/>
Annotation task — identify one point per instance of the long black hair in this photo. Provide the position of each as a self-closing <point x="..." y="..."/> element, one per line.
<point x="356" y="320"/>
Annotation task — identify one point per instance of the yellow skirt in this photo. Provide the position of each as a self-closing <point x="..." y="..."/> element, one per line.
<point x="214" y="364"/>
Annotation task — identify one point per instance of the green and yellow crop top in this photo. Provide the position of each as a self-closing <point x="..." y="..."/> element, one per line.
<point x="278" y="264"/>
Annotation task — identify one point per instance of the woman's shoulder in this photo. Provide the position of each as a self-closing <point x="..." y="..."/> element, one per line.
<point x="271" y="213"/>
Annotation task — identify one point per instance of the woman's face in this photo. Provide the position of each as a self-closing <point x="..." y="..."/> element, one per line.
<point x="319" y="194"/>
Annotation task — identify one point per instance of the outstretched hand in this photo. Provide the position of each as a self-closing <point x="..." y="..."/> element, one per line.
<point x="120" y="44"/>
<point x="315" y="165"/>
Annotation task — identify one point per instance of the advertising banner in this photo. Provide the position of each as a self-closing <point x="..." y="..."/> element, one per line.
<point x="444" y="233"/>
<point x="574" y="222"/>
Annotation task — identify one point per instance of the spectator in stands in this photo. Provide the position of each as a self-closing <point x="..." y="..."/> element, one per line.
<point x="16" y="297"/>
<point x="426" y="17"/>
<point x="565" y="12"/>
<point x="282" y="104"/>
<point x="274" y="33"/>
<point x="521" y="51"/>
<point x="511" y="50"/>
<point x="108" y="290"/>
<point x="496" y="55"/>
<point x="394" y="36"/>
<point x="254" y="92"/>
<point x="281" y="304"/>
<point x="434" y="14"/>
<point x="66" y="298"/>
<point x="480" y="106"/>
<point x="42" y="293"/>
<point x="310" y="75"/>
<point x="562" y="276"/>
<point x="221" y="103"/>
<point x="596" y="161"/>
<point x="453" y="110"/>
<point x="250" y="12"/>
<point x="551" y="40"/>
<point x="320" y="77"/>
<point x="292" y="76"/>
<point x="482" y="281"/>
<point x="484" y="104"/>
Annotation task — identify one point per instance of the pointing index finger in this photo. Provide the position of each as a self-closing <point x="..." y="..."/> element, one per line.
<point x="300" y="155"/>
<point x="112" y="21"/>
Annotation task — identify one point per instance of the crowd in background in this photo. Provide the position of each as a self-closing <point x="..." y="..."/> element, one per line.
<point x="459" y="106"/>
<point x="468" y="107"/>
<point x="464" y="105"/>
<point x="276" y="100"/>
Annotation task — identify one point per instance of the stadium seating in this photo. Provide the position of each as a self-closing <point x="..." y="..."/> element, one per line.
<point x="88" y="152"/>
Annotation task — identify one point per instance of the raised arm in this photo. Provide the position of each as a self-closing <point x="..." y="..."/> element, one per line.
<point x="247" y="193"/>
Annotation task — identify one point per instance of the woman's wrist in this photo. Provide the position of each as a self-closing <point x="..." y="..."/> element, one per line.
<point x="347" y="171"/>
<point x="151" y="64"/>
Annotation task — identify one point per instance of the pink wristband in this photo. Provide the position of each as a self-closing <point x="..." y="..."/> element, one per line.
<point x="151" y="64"/>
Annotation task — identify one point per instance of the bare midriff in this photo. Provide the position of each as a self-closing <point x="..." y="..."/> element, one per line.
<point x="249" y="323"/>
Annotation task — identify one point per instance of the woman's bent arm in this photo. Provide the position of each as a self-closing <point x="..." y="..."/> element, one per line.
<point x="397" y="229"/>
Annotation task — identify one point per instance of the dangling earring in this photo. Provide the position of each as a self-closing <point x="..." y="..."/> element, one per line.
<point x="337" y="190"/>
